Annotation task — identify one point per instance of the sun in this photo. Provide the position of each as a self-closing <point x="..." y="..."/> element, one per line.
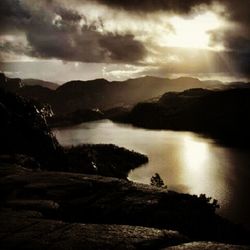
<point x="193" y="32"/>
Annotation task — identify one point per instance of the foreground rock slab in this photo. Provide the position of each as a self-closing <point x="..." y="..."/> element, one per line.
<point x="58" y="197"/>
<point x="206" y="246"/>
<point x="26" y="230"/>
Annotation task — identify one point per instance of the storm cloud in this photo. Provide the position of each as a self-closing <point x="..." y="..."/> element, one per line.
<point x="53" y="31"/>
<point x="237" y="39"/>
<point x="122" y="32"/>
<point x="177" y="6"/>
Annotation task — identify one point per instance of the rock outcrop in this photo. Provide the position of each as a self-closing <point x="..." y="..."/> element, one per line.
<point x="104" y="200"/>
<point x="23" y="130"/>
<point x="10" y="84"/>
<point x="28" y="230"/>
<point x="206" y="246"/>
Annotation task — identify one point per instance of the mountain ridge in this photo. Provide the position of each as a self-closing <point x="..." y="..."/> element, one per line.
<point x="38" y="82"/>
<point x="103" y="94"/>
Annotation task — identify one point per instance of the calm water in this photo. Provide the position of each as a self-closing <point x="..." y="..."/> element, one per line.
<point x="185" y="161"/>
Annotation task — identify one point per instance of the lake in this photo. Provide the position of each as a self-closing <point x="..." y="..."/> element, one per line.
<point x="186" y="162"/>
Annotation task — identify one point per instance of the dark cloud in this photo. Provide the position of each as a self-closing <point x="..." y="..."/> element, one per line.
<point x="12" y="15"/>
<point x="70" y="42"/>
<point x="68" y="14"/>
<point x="12" y="8"/>
<point x="237" y="38"/>
<point x="179" y="6"/>
<point x="123" y="48"/>
<point x="86" y="46"/>
<point x="238" y="10"/>
<point x="54" y="31"/>
<point x="241" y="62"/>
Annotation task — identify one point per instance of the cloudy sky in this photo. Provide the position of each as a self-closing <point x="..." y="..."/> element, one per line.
<point x="61" y="40"/>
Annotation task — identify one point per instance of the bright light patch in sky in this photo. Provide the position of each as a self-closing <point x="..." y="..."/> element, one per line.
<point x="192" y="33"/>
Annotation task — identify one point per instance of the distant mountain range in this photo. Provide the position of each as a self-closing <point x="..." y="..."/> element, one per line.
<point x="102" y="94"/>
<point x="35" y="82"/>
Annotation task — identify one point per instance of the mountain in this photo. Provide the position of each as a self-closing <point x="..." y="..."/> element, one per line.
<point x="102" y="94"/>
<point x="222" y="114"/>
<point x="26" y="88"/>
<point x="10" y="84"/>
<point x="76" y="117"/>
<point x="37" y="82"/>
<point x="36" y="92"/>
<point x="23" y="125"/>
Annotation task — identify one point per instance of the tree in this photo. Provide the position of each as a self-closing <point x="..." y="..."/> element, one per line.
<point x="156" y="181"/>
<point x="213" y="203"/>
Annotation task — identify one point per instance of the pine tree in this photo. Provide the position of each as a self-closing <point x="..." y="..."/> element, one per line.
<point x="156" y="180"/>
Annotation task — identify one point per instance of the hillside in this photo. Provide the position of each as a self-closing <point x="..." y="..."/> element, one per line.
<point x="102" y="94"/>
<point x="223" y="114"/>
<point x="37" y="82"/>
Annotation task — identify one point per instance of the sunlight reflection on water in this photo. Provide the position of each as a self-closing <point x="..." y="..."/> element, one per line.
<point x="185" y="161"/>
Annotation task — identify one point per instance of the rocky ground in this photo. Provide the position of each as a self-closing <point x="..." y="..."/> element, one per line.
<point x="28" y="231"/>
<point x="58" y="210"/>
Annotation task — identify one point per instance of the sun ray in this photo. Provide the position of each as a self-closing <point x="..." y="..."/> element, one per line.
<point x="192" y="32"/>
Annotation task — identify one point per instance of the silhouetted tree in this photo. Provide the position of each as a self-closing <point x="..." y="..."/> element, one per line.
<point x="156" y="180"/>
<point x="212" y="202"/>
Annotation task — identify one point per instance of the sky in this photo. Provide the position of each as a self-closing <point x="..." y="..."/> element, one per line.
<point x="62" y="40"/>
